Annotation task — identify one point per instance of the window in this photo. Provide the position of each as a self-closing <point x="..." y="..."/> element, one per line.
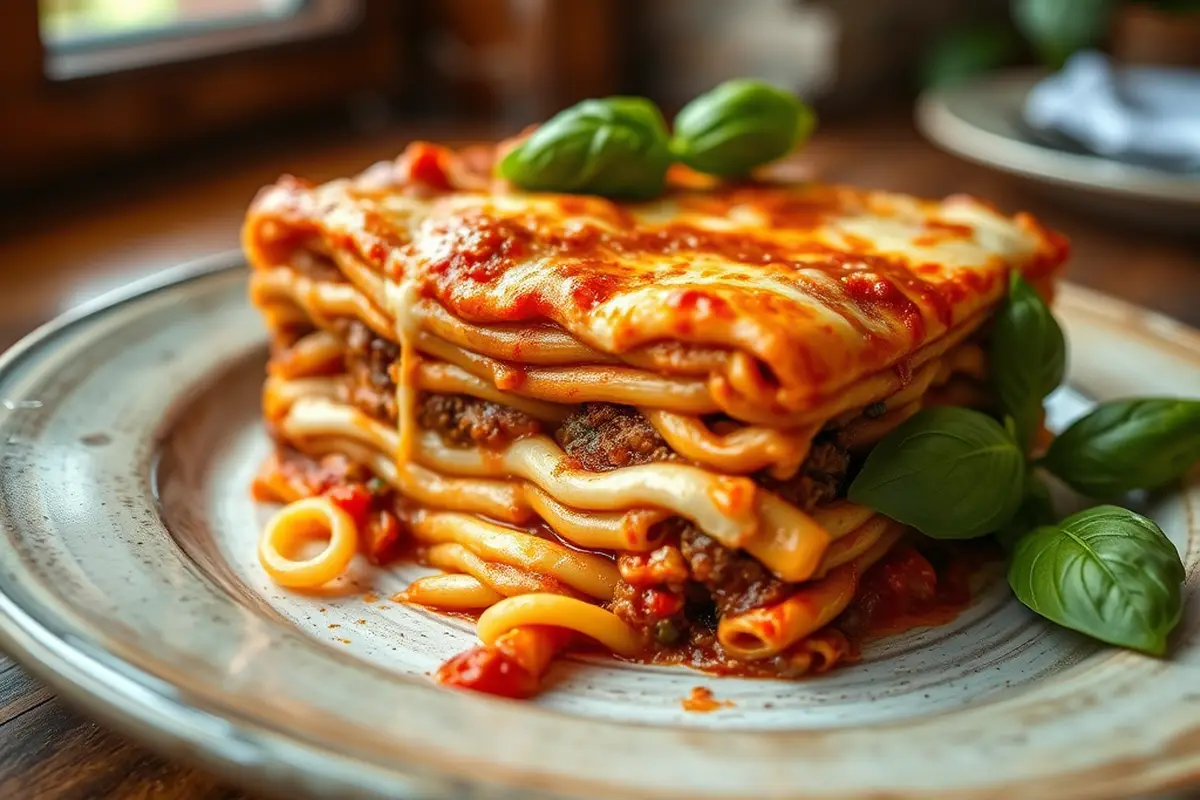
<point x="86" y="37"/>
<point x="89" y="82"/>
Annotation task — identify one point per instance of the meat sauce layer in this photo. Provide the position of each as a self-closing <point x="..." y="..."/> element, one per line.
<point x="675" y="594"/>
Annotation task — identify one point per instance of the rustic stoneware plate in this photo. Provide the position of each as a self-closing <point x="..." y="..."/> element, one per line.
<point x="981" y="121"/>
<point x="128" y="435"/>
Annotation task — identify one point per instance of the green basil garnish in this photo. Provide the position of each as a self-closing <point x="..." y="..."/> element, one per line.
<point x="1128" y="444"/>
<point x="1028" y="358"/>
<point x="1106" y="572"/>
<point x="620" y="147"/>
<point x="1036" y="509"/>
<point x="740" y="125"/>
<point x="616" y="147"/>
<point x="951" y="473"/>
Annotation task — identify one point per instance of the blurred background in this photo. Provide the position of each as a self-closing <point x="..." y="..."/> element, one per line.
<point x="133" y="134"/>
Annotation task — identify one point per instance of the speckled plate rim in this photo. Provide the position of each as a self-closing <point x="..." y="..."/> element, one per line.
<point x="198" y="722"/>
<point x="938" y="119"/>
<point x="137" y="703"/>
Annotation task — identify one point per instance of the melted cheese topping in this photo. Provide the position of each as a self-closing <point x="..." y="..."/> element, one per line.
<point x="822" y="285"/>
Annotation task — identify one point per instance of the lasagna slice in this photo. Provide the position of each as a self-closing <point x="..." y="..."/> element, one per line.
<point x="629" y="425"/>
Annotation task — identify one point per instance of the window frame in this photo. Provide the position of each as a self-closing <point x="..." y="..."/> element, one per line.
<point x="54" y="128"/>
<point x="114" y="53"/>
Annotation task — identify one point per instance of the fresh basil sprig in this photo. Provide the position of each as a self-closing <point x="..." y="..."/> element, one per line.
<point x="738" y="126"/>
<point x="951" y="473"/>
<point x="1028" y="356"/>
<point x="1106" y="572"/>
<point x="620" y="146"/>
<point x="616" y="147"/>
<point x="1128" y="444"/>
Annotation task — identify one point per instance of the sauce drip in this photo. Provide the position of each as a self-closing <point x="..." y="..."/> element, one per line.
<point x="702" y="701"/>
<point x="915" y="585"/>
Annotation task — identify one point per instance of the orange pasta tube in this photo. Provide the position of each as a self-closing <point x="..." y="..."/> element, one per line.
<point x="592" y="575"/>
<point x="436" y="376"/>
<point x="603" y="530"/>
<point x="764" y="632"/>
<point x="561" y="612"/>
<point x="318" y="353"/>
<point x="741" y="452"/>
<point x="856" y="543"/>
<point x="570" y="384"/>
<point x="279" y="395"/>
<point x="767" y="631"/>
<point x="322" y="302"/>
<point x="309" y="518"/>
<point x="818" y="653"/>
<point x="503" y="500"/>
<point x="449" y="593"/>
<point x="504" y="579"/>
<point x="841" y="517"/>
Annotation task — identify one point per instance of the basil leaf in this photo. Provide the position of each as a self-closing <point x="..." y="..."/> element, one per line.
<point x="616" y="147"/>
<point x="1106" y="572"/>
<point x="1128" y="444"/>
<point x="951" y="473"/>
<point x="740" y="125"/>
<point x="1036" y="509"/>
<point x="1028" y="358"/>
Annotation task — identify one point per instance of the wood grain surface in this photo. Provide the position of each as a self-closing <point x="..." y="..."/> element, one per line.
<point x="64" y="250"/>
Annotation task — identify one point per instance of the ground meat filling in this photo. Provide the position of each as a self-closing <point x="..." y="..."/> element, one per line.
<point x="735" y="581"/>
<point x="678" y="592"/>
<point x="602" y="437"/>
<point x="821" y="479"/>
<point x="464" y="421"/>
<point x="690" y="582"/>
<point x="368" y="359"/>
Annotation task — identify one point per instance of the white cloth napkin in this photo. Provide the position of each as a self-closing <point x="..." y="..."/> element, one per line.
<point x="1146" y="115"/>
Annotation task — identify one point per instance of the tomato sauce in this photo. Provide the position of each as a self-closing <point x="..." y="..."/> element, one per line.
<point x="915" y="586"/>
<point x="600" y="261"/>
<point x="702" y="701"/>
<point x="370" y="502"/>
<point x="490" y="671"/>
<point x="918" y="583"/>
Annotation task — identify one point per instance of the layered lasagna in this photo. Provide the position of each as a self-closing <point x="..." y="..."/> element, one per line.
<point x="619" y="425"/>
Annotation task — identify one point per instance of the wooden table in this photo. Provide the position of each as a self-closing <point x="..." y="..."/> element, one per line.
<point x="106" y="239"/>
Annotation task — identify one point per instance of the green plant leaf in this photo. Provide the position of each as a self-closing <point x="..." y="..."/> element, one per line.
<point x="1141" y="443"/>
<point x="1106" y="572"/>
<point x="951" y="473"/>
<point x="740" y="125"/>
<point x="1058" y="28"/>
<point x="616" y="147"/>
<point x="1036" y="509"/>
<point x="962" y="53"/>
<point x="1028" y="356"/>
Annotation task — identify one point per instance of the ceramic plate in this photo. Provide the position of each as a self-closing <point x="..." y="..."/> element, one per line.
<point x="128" y="435"/>
<point x="981" y="121"/>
